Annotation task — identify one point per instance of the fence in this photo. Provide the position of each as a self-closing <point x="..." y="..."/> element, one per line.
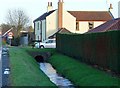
<point x="102" y="49"/>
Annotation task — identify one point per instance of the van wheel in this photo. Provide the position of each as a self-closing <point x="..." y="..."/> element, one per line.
<point x="41" y="46"/>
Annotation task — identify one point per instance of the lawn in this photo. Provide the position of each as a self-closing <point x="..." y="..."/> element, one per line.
<point x="25" y="70"/>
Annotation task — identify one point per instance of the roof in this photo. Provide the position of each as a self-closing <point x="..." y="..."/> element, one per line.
<point x="42" y="17"/>
<point x="113" y="24"/>
<point x="62" y="30"/>
<point x="92" y="15"/>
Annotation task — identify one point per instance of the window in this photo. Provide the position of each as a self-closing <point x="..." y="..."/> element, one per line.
<point x="77" y="26"/>
<point x="41" y="25"/>
<point x="49" y="41"/>
<point x="38" y="37"/>
<point x="91" y="25"/>
<point x="38" y="26"/>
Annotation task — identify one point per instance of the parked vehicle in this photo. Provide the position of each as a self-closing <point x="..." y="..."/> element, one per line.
<point x="49" y="43"/>
<point x="36" y="45"/>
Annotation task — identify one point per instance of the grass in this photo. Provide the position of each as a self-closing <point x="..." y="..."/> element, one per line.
<point x="40" y="50"/>
<point x="25" y="71"/>
<point x="81" y="74"/>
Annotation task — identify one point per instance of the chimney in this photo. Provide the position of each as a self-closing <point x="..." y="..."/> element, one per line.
<point x="49" y="7"/>
<point x="110" y="8"/>
<point x="60" y="14"/>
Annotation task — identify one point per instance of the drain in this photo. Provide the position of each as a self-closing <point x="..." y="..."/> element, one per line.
<point x="39" y="58"/>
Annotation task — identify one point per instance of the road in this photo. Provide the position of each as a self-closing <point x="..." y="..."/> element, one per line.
<point x="0" y="67"/>
<point x="5" y="67"/>
<point x="0" y="61"/>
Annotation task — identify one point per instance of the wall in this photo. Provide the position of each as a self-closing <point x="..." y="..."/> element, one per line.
<point x="51" y="24"/>
<point x="43" y="32"/>
<point x="98" y="23"/>
<point x="37" y="30"/>
<point x="40" y="31"/>
<point x="84" y="26"/>
<point x="69" y="21"/>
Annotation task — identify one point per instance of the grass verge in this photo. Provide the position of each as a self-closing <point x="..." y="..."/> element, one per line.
<point x="79" y="73"/>
<point x="25" y="71"/>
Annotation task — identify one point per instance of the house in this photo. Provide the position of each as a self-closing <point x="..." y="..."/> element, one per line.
<point x="74" y="21"/>
<point x="8" y="32"/>
<point x="49" y="23"/>
<point x="110" y="25"/>
<point x="87" y="20"/>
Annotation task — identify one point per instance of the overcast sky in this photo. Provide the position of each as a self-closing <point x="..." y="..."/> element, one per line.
<point x="35" y="8"/>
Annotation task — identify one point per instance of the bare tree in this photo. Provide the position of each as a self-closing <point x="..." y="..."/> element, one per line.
<point x="18" y="19"/>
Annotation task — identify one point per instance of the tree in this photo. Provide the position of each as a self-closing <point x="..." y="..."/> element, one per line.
<point x="18" y="19"/>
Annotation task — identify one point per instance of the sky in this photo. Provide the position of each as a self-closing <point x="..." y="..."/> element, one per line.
<point x="35" y="8"/>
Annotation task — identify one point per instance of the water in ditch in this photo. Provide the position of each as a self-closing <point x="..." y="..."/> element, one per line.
<point x="54" y="77"/>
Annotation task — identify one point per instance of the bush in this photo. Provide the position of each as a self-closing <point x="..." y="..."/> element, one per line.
<point x="15" y="41"/>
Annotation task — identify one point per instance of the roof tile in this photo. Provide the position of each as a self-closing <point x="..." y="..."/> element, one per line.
<point x="91" y="15"/>
<point x="42" y="17"/>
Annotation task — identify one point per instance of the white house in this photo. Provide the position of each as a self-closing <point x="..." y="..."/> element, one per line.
<point x="74" y="21"/>
<point x="48" y="23"/>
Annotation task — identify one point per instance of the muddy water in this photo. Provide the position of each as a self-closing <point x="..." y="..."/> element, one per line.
<point x="54" y="77"/>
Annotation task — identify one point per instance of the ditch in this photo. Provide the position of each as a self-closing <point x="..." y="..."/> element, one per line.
<point x="52" y="74"/>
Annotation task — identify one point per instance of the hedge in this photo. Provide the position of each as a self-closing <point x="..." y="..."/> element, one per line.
<point x="101" y="49"/>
